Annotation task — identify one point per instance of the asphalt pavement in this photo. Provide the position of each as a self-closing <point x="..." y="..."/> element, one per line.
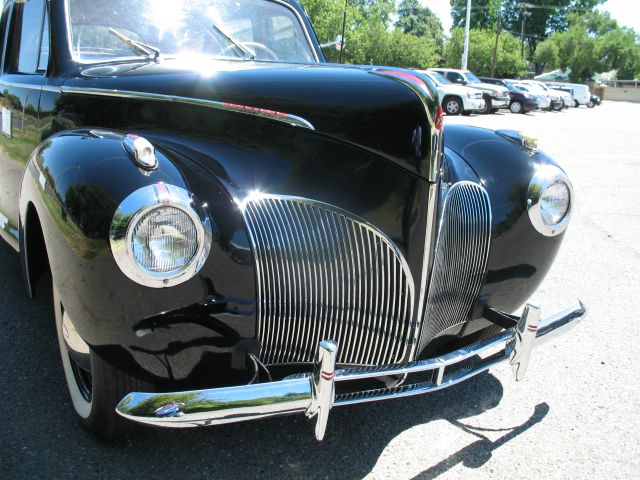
<point x="574" y="416"/>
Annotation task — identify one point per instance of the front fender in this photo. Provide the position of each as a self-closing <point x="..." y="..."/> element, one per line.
<point x="520" y="256"/>
<point x="75" y="181"/>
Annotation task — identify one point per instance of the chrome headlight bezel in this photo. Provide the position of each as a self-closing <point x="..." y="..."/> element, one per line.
<point x="546" y="176"/>
<point x="133" y="209"/>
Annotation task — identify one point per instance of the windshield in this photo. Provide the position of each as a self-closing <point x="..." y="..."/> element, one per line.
<point x="241" y="29"/>
<point x="472" y="78"/>
<point x="534" y="87"/>
<point x="438" y="78"/>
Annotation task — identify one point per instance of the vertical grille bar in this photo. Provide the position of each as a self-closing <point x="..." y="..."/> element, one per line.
<point x="323" y="273"/>
<point x="460" y="260"/>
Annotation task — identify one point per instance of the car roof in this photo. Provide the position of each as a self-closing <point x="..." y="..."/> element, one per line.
<point x="447" y="69"/>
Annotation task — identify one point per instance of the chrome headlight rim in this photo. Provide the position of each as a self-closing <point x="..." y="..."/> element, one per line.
<point x="138" y="204"/>
<point x="546" y="176"/>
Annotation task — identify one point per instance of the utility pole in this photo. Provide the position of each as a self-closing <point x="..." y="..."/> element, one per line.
<point x="465" y="53"/>
<point x="524" y="14"/>
<point x="344" y="24"/>
<point x="495" y="49"/>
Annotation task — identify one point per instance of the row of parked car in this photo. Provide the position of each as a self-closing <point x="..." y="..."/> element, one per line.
<point x="461" y="92"/>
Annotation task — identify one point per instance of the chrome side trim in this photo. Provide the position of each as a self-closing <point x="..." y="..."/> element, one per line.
<point x="30" y="86"/>
<point x="324" y="273"/>
<point x="159" y="97"/>
<point x="306" y="393"/>
<point x="460" y="259"/>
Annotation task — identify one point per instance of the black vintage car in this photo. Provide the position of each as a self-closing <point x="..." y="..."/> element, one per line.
<point x="236" y="229"/>
<point x="519" y="101"/>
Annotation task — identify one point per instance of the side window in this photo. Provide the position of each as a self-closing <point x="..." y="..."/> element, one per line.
<point x="28" y="17"/>
<point x="3" y="26"/>
<point x="451" y="76"/>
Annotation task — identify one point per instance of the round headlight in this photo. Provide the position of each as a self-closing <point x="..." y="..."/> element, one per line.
<point x="160" y="236"/>
<point x="549" y="200"/>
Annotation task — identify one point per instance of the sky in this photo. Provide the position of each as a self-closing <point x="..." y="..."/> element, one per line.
<point x="626" y="12"/>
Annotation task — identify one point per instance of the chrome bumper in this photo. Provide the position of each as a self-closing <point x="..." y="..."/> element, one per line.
<point x="314" y="394"/>
<point x="497" y="102"/>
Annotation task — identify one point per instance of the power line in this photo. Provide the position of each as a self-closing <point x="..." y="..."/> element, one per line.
<point x="523" y="5"/>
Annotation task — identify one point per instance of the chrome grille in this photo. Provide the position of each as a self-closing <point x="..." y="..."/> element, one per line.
<point x="323" y="273"/>
<point x="460" y="259"/>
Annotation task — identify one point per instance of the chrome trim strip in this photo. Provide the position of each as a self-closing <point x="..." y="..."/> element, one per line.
<point x="30" y="86"/>
<point x="27" y="86"/>
<point x="314" y="393"/>
<point x="229" y="107"/>
<point x="427" y="258"/>
<point x="328" y="274"/>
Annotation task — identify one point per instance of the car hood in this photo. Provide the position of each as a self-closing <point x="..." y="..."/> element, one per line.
<point x="362" y="106"/>
<point x="488" y="87"/>
<point x="456" y="89"/>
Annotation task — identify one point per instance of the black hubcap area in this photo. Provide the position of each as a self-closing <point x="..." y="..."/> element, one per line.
<point x="83" y="379"/>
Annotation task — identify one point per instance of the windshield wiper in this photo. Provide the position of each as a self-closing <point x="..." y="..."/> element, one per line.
<point x="248" y="53"/>
<point x="143" y="48"/>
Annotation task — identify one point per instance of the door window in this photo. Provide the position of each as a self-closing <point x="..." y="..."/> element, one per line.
<point x="3" y="25"/>
<point x="27" y="24"/>
<point x="455" y="77"/>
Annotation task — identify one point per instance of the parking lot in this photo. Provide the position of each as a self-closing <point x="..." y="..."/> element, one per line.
<point x="575" y="416"/>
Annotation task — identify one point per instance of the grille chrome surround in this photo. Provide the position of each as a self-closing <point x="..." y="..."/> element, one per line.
<point x="460" y="259"/>
<point x="323" y="273"/>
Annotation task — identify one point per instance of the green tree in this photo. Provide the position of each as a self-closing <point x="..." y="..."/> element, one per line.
<point x="595" y="43"/>
<point x="370" y="35"/>
<point x="484" y="13"/>
<point x="326" y="18"/>
<point x="420" y="21"/>
<point x="546" y="55"/>
<point x="372" y="44"/>
<point x="481" y="43"/>
<point x="547" y="16"/>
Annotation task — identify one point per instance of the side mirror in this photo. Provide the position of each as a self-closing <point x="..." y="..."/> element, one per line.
<point x="339" y="43"/>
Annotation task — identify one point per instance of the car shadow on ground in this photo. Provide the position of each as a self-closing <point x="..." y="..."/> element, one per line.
<point x="39" y="433"/>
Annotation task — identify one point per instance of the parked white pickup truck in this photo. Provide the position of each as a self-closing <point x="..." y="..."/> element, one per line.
<point x="456" y="99"/>
<point x="495" y="97"/>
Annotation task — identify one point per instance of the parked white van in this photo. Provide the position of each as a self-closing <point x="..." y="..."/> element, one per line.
<point x="581" y="93"/>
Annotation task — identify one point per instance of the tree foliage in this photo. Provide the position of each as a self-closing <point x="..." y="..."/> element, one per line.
<point x="547" y="55"/>
<point x="371" y="36"/>
<point x="420" y="21"/>
<point x="481" y="43"/>
<point x="592" y="43"/>
<point x="545" y="17"/>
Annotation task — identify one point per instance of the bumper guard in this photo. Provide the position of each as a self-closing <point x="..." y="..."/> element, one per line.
<point x="314" y="394"/>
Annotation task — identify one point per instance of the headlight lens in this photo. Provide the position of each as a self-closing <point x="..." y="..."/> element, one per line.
<point x="160" y="236"/>
<point x="164" y="240"/>
<point x="550" y="200"/>
<point x="554" y="202"/>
